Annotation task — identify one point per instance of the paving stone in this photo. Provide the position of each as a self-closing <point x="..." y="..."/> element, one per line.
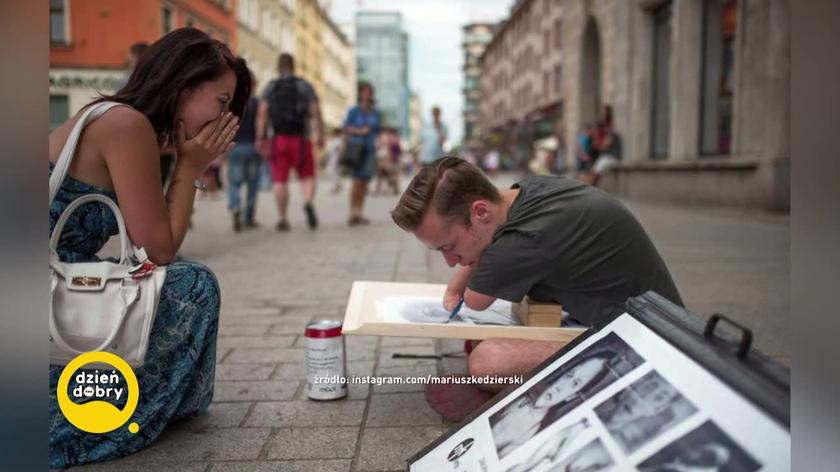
<point x="455" y="365"/>
<point x="242" y="330"/>
<point x="247" y="312"/>
<point x="295" y="326"/>
<point x="403" y="372"/>
<point x="313" y="443"/>
<point x="401" y="409"/>
<point x="119" y="465"/>
<point x="255" y="390"/>
<point x="360" y="353"/>
<point x="254" y="355"/>
<point x="401" y="341"/>
<point x="295" y="370"/>
<point x="389" y="448"/>
<point x="184" y="445"/>
<point x="218" y="415"/>
<point x="307" y="413"/>
<point x="317" y="311"/>
<point x="257" y="341"/>
<point x="338" y="465"/>
<point x="386" y="359"/>
<point x="256" y="320"/>
<point x="260" y="371"/>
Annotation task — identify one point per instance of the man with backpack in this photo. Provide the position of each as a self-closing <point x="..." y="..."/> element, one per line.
<point x="290" y="103"/>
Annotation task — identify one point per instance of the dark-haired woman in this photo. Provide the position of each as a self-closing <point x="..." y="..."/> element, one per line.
<point x="362" y="125"/>
<point x="186" y="94"/>
<point x="535" y="410"/>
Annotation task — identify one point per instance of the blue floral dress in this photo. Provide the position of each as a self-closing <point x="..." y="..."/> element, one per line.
<point x="176" y="380"/>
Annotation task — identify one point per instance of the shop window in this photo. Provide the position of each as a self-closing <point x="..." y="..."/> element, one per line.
<point x="58" y="22"/>
<point x="59" y="110"/>
<point x="167" y="19"/>
<point x="719" y="27"/>
<point x="661" y="128"/>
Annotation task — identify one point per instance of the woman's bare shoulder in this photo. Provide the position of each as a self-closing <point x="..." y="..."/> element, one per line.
<point x="126" y="121"/>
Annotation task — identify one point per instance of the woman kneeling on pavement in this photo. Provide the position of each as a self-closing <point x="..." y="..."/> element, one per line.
<point x="186" y="94"/>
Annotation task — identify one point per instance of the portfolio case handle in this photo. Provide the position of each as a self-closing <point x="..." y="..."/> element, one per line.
<point x="746" y="334"/>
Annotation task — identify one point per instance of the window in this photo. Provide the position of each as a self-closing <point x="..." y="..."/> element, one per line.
<point x="718" y="64"/>
<point x="545" y="84"/>
<point x="661" y="128"/>
<point x="59" y="110"/>
<point x="558" y="34"/>
<point x="166" y="16"/>
<point x="58" y="22"/>
<point x="557" y="78"/>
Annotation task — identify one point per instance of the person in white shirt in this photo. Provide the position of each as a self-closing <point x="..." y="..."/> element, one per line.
<point x="433" y="138"/>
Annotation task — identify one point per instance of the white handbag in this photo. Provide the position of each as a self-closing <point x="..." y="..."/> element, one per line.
<point x="99" y="306"/>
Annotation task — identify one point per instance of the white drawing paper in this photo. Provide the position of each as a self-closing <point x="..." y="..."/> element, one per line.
<point x="403" y="309"/>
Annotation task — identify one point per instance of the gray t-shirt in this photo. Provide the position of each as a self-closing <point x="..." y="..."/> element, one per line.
<point x="570" y="243"/>
<point x="305" y="89"/>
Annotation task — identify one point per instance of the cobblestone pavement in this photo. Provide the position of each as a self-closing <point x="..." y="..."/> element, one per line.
<point x="274" y="283"/>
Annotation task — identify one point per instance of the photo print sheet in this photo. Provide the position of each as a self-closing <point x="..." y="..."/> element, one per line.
<point x="561" y="391"/>
<point x="405" y="309"/>
<point x="623" y="399"/>
<point x="706" y="448"/>
<point x="643" y="410"/>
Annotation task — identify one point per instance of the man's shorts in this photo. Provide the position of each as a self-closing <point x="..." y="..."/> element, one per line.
<point x="287" y="154"/>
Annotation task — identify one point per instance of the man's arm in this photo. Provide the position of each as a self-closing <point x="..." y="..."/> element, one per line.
<point x="261" y="132"/>
<point x="457" y="289"/>
<point x="315" y="112"/>
<point x="262" y="114"/>
<point x="477" y="301"/>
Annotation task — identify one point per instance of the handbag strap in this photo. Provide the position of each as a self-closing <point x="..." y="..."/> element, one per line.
<point x="125" y="243"/>
<point x="128" y="293"/>
<point x="59" y="172"/>
<point x="62" y="165"/>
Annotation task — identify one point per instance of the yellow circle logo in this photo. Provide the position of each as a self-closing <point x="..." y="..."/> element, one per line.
<point x="98" y="416"/>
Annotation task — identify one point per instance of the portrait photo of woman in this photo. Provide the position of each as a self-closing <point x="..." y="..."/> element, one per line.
<point x="561" y="391"/>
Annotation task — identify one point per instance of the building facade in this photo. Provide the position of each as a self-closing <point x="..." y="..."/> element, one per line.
<point x="699" y="92"/>
<point x="476" y="37"/>
<point x="338" y="72"/>
<point x="521" y="79"/>
<point x="265" y="28"/>
<point x="382" y="60"/>
<point x="89" y="42"/>
<point x="415" y="121"/>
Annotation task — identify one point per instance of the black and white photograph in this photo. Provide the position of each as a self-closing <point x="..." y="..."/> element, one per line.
<point x="591" y="458"/>
<point x="644" y="410"/>
<point x="561" y="391"/>
<point x="556" y="448"/>
<point x="706" y="449"/>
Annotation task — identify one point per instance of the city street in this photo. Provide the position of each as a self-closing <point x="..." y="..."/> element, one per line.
<point x="723" y="260"/>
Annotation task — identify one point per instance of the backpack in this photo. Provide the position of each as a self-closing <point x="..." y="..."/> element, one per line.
<point x="287" y="107"/>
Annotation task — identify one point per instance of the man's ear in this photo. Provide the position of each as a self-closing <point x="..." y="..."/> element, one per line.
<point x="480" y="211"/>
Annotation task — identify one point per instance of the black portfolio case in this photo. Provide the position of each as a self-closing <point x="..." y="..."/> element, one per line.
<point x="654" y="389"/>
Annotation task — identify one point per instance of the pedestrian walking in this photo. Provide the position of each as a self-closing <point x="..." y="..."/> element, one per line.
<point x="290" y="103"/>
<point x="362" y="125"/>
<point x="433" y="138"/>
<point x="243" y="166"/>
<point x="335" y="146"/>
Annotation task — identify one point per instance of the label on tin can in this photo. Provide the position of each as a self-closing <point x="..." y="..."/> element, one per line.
<point x="325" y="361"/>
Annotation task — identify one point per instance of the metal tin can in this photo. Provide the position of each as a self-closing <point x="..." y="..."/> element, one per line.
<point x="325" y="360"/>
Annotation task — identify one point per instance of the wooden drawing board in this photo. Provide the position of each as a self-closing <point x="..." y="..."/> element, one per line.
<point x="363" y="317"/>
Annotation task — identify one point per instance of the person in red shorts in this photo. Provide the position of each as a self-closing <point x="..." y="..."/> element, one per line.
<point x="290" y="103"/>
